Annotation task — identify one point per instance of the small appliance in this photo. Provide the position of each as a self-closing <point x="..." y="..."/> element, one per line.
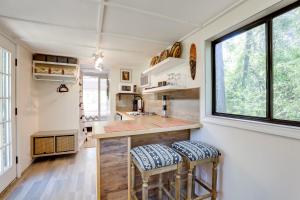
<point x="126" y="88"/>
<point x="164" y="106"/>
<point x="138" y="104"/>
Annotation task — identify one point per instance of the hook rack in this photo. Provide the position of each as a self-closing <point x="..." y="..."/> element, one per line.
<point x="62" y="88"/>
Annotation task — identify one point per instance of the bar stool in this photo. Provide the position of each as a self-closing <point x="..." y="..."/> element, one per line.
<point x="196" y="153"/>
<point x="155" y="159"/>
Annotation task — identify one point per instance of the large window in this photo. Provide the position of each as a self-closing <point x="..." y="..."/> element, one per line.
<point x="256" y="70"/>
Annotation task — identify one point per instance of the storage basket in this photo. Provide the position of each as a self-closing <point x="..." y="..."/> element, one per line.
<point x="69" y="71"/>
<point x="65" y="143"/>
<point x="43" y="145"/>
<point x="62" y="59"/>
<point x="72" y="60"/>
<point x="39" y="57"/>
<point x="41" y="69"/>
<point x="56" y="70"/>
<point x="51" y="58"/>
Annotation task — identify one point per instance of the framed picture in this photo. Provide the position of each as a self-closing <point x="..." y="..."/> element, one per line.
<point x="126" y="75"/>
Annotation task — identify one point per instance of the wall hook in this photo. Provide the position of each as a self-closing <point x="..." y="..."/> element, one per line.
<point x="62" y="88"/>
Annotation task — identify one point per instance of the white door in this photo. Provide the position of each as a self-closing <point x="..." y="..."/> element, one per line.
<point x="8" y="170"/>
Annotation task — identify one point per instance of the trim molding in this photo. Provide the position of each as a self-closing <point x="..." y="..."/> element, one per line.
<point x="259" y="127"/>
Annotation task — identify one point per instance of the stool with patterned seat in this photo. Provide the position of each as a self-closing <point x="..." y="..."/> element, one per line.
<point x="196" y="153"/>
<point x="155" y="159"/>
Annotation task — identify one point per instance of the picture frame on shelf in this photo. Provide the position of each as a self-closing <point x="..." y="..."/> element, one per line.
<point x="126" y="75"/>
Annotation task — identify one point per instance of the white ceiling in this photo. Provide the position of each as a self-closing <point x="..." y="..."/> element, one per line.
<point x="128" y="32"/>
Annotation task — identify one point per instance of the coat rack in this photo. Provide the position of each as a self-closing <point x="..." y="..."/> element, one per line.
<point x="62" y="88"/>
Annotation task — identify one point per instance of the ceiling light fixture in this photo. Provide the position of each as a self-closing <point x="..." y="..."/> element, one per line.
<point x="99" y="67"/>
<point x="98" y="61"/>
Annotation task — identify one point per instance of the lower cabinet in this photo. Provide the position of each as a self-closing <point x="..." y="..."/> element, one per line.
<point x="48" y="143"/>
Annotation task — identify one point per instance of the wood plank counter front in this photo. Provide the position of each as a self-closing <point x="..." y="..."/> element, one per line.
<point x="116" y="138"/>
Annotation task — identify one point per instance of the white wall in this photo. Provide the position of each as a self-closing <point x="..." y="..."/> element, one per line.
<point x="255" y="164"/>
<point x="114" y="80"/>
<point x="40" y="107"/>
<point x="58" y="111"/>
<point x="27" y="103"/>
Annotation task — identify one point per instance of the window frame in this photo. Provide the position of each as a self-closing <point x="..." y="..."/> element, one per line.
<point x="267" y="20"/>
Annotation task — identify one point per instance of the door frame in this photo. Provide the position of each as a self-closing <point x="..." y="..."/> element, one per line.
<point x="10" y="45"/>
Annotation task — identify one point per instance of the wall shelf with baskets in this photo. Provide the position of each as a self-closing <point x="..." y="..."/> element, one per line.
<point x="54" y="71"/>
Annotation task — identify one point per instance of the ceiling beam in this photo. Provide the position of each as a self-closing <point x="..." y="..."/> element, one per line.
<point x="129" y="37"/>
<point x="55" y="43"/>
<point x="126" y="51"/>
<point x="150" y="13"/>
<point x="100" y="22"/>
<point x="77" y="55"/>
<point x="47" y="23"/>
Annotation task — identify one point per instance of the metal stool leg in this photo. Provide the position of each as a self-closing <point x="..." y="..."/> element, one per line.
<point x="214" y="180"/>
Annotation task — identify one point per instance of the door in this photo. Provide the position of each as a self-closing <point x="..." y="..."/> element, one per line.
<point x="91" y="98"/>
<point x="95" y="97"/>
<point x="8" y="170"/>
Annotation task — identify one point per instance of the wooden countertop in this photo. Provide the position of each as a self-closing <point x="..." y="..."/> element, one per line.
<point x="140" y="125"/>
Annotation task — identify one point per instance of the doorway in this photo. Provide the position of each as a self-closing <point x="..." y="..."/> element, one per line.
<point x="95" y="98"/>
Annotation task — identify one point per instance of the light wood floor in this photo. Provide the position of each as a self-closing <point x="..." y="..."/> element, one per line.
<point x="59" y="178"/>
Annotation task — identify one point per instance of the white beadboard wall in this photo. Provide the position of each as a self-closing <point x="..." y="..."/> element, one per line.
<point x="57" y="111"/>
<point x="255" y="164"/>
<point x="27" y="103"/>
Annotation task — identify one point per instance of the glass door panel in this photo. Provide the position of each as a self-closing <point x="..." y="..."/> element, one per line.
<point x="7" y="139"/>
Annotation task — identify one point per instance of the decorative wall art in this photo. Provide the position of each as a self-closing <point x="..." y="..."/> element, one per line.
<point x="193" y="58"/>
<point x="164" y="55"/>
<point x="154" y="61"/>
<point x="174" y="52"/>
<point x="126" y="75"/>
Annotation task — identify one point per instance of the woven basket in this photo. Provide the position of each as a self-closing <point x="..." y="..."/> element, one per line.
<point x="65" y="143"/>
<point x="43" y="145"/>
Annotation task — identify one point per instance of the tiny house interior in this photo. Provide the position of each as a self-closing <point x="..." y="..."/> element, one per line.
<point x="170" y="99"/>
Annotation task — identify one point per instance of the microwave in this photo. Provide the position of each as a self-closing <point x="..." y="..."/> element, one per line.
<point x="127" y="88"/>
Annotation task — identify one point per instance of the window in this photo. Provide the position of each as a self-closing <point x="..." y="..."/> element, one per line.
<point x="286" y="66"/>
<point x="95" y="98"/>
<point x="256" y="70"/>
<point x="91" y="96"/>
<point x="5" y="111"/>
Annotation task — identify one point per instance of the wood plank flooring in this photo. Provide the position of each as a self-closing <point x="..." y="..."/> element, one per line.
<point x="59" y="178"/>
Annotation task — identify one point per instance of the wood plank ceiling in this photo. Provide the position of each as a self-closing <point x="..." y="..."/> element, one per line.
<point x="128" y="32"/>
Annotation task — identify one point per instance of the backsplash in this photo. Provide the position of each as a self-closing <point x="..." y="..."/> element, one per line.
<point x="124" y="102"/>
<point x="183" y="104"/>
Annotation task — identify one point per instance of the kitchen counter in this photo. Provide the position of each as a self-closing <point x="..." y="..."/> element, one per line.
<point x="115" y="139"/>
<point x="140" y="125"/>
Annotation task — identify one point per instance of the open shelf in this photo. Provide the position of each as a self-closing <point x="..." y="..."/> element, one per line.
<point x="167" y="88"/>
<point x="66" y="78"/>
<point x="55" y="77"/>
<point x="128" y="93"/>
<point x="55" y="63"/>
<point x="164" y="65"/>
